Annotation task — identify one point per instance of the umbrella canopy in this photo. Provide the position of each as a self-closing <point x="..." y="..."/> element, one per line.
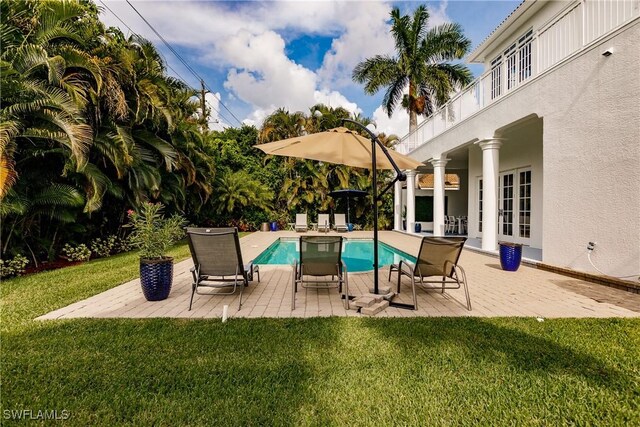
<point x="339" y="145"/>
<point x="342" y="146"/>
<point x="348" y="194"/>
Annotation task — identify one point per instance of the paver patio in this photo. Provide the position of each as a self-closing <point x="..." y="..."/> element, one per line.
<point x="527" y="292"/>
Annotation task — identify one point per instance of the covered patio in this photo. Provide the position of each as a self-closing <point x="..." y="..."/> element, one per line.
<point x="529" y="292"/>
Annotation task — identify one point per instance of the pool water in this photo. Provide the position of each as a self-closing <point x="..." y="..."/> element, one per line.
<point x="357" y="254"/>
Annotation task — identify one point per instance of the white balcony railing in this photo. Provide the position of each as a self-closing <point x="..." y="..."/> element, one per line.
<point x="534" y="53"/>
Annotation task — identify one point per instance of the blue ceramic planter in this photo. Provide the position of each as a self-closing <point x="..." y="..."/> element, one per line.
<point x="510" y="256"/>
<point x="274" y="226"/>
<point x="156" y="278"/>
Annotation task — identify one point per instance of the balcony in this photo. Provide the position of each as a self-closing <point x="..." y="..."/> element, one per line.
<point x="575" y="29"/>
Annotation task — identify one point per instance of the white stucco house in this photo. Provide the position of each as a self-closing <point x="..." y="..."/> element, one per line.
<point x="545" y="144"/>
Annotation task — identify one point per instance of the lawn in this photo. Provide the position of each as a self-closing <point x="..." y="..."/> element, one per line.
<point x="323" y="371"/>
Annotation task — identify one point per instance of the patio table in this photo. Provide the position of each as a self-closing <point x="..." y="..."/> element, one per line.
<point x="291" y="226"/>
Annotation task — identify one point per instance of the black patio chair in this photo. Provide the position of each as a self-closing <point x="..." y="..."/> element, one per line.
<point x="217" y="258"/>
<point x="320" y="256"/>
<point x="438" y="256"/>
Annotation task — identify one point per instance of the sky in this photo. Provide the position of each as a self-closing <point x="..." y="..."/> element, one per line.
<point x="257" y="56"/>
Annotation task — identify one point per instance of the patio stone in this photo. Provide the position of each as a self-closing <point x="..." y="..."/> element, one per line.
<point x="364" y="301"/>
<point x="382" y="290"/>
<point x="376" y="297"/>
<point x="375" y="308"/>
<point x="529" y="292"/>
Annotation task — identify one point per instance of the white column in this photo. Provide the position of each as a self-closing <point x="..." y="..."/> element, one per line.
<point x="397" y="206"/>
<point x="411" y="201"/>
<point x="438" y="196"/>
<point x="490" y="177"/>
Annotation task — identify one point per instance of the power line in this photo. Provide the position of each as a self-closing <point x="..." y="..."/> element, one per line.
<point x="138" y="35"/>
<point x="165" y="59"/>
<point x="168" y="45"/>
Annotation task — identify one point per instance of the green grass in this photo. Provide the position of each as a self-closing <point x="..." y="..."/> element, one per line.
<point x="27" y="297"/>
<point x="323" y="371"/>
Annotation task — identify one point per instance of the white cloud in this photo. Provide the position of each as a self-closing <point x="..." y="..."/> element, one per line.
<point x="212" y="101"/>
<point x="335" y="99"/>
<point x="397" y="124"/>
<point x="213" y="104"/>
<point x="264" y="76"/>
<point x="366" y="35"/>
<point x="247" y="41"/>
<point x="438" y="15"/>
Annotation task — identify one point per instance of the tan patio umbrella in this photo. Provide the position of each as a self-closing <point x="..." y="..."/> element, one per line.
<point x="346" y="147"/>
<point x="338" y="145"/>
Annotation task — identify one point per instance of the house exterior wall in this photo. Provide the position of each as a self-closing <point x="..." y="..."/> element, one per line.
<point x="521" y="149"/>
<point x="590" y="109"/>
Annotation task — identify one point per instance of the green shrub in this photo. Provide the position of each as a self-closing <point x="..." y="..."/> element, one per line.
<point x="152" y="233"/>
<point x="14" y="266"/>
<point x="255" y="217"/>
<point x="104" y="247"/>
<point x="123" y="245"/>
<point x="110" y="245"/>
<point x="76" y="253"/>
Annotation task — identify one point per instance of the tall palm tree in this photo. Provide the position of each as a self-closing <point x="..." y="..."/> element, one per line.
<point x="420" y="65"/>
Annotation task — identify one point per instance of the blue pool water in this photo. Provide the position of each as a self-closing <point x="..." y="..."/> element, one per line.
<point x="357" y="254"/>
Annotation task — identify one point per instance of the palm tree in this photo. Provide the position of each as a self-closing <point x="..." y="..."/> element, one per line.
<point x="282" y="124"/>
<point x="89" y="117"/>
<point x="237" y="190"/>
<point x="421" y="64"/>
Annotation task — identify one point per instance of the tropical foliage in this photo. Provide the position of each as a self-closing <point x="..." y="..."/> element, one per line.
<point x="152" y="233"/>
<point x="92" y="126"/>
<point x="306" y="184"/>
<point x="420" y="76"/>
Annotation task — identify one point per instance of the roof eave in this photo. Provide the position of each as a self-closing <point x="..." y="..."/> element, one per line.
<point x="477" y="56"/>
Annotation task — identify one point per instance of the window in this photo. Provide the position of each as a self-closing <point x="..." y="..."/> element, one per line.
<point x="517" y="63"/>
<point x="525" y="204"/>
<point x="524" y="56"/>
<point x="496" y="77"/>
<point x="507" y="204"/>
<point x="512" y="72"/>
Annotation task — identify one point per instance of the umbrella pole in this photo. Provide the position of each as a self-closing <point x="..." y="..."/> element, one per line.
<point x="400" y="176"/>
<point x="375" y="215"/>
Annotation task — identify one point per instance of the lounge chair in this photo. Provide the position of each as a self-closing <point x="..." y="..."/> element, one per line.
<point x="438" y="256"/>
<point x="301" y="222"/>
<point x="217" y="258"/>
<point x="341" y="222"/>
<point x="320" y="257"/>
<point x="323" y="223"/>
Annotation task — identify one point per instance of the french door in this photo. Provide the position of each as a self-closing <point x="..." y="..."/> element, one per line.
<point x="514" y="206"/>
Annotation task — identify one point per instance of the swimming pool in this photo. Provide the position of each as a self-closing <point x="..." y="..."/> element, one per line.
<point x="356" y="253"/>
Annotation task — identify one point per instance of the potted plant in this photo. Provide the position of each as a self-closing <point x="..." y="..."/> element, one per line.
<point x="153" y="235"/>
